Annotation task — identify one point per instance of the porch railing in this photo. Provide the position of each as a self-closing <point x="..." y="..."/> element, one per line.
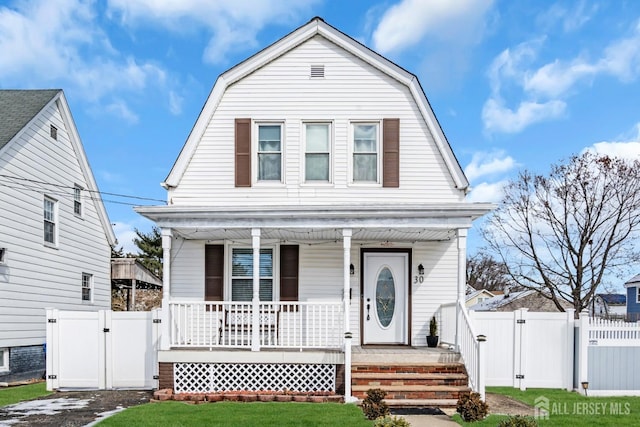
<point x="456" y="329"/>
<point x="227" y="324"/>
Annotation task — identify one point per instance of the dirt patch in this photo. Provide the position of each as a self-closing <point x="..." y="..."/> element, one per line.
<point x="71" y="408"/>
<point x="504" y="405"/>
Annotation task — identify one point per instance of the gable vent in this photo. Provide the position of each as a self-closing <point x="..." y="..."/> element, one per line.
<point x="317" y="71"/>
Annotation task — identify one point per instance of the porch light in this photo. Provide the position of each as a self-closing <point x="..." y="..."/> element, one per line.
<point x="352" y="269"/>
<point x="421" y="270"/>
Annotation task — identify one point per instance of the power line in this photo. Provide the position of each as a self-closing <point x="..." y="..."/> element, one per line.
<point x="16" y="178"/>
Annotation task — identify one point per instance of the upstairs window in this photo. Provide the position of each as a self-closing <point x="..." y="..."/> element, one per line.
<point x="365" y="152"/>
<point x="77" y="200"/>
<point x="269" y="152"/>
<point x="50" y="207"/>
<point x="242" y="274"/>
<point x="87" y="287"/>
<point x="53" y="132"/>
<point x="317" y="152"/>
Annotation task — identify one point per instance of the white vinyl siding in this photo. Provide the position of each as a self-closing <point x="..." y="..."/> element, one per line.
<point x="317" y="156"/>
<point x="351" y="92"/>
<point x="43" y="276"/>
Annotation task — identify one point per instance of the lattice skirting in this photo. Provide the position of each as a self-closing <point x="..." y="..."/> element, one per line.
<point x="215" y="377"/>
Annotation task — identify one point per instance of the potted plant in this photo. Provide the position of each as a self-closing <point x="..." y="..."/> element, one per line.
<point x="432" y="338"/>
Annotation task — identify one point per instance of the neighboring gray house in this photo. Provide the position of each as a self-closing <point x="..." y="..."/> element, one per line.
<point x="511" y="301"/>
<point x="609" y="306"/>
<point x="55" y="236"/>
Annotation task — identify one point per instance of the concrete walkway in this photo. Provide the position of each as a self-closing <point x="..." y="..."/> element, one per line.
<point x="430" y="420"/>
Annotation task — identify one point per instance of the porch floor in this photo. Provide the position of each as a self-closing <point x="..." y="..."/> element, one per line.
<point x="376" y="355"/>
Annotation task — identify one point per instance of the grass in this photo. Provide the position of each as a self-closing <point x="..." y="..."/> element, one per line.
<point x="570" y="409"/>
<point x="178" y="414"/>
<point x="12" y="395"/>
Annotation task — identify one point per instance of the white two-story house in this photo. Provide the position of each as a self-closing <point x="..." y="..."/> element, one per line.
<point x="55" y="236"/>
<point x="315" y="213"/>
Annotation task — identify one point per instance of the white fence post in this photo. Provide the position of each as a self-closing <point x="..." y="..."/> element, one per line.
<point x="583" y="351"/>
<point x="482" y="364"/>
<point x="521" y="330"/>
<point x="569" y="349"/>
<point x="52" y="349"/>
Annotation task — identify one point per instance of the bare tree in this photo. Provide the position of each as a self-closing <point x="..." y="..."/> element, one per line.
<point x="485" y="272"/>
<point x="562" y="234"/>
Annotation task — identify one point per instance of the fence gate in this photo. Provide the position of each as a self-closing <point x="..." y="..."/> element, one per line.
<point x="527" y="349"/>
<point x="101" y="349"/>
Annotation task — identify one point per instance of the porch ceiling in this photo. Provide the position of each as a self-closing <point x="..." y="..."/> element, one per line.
<point x="318" y="235"/>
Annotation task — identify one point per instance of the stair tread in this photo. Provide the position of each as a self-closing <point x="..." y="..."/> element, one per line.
<point x="421" y="402"/>
<point x="406" y="363"/>
<point x="410" y="375"/>
<point x="413" y="387"/>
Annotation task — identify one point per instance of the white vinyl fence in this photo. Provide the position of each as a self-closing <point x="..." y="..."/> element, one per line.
<point x="527" y="349"/>
<point x="101" y="349"/>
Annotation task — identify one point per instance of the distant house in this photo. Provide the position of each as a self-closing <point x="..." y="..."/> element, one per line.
<point x="55" y="236"/>
<point x="477" y="296"/>
<point x="609" y="306"/>
<point x="515" y="300"/>
<point x="134" y="286"/>
<point x="633" y="299"/>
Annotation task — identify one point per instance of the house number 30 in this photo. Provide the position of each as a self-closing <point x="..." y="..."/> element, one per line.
<point x="418" y="279"/>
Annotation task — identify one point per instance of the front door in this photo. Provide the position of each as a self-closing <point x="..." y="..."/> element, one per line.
<point x="385" y="299"/>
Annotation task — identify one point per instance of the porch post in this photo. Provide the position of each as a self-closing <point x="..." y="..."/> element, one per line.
<point x="255" y="301"/>
<point x="346" y="274"/>
<point x="165" y="339"/>
<point x="462" y="281"/>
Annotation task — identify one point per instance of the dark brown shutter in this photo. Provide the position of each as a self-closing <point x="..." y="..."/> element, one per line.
<point x="289" y="258"/>
<point x="213" y="272"/>
<point x="243" y="152"/>
<point x="391" y="153"/>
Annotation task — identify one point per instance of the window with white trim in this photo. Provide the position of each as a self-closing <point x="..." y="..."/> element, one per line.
<point x="77" y="200"/>
<point x="270" y="152"/>
<point x="4" y="359"/>
<point x="242" y="274"/>
<point x="366" y="146"/>
<point x="87" y="287"/>
<point x="50" y="220"/>
<point x="638" y="294"/>
<point x="317" y="155"/>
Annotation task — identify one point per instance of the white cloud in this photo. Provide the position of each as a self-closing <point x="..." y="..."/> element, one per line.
<point x="628" y="148"/>
<point x="487" y="164"/>
<point x="231" y="24"/>
<point x="487" y="192"/>
<point x="57" y="43"/>
<point x="498" y="118"/>
<point x="175" y="103"/>
<point x="125" y="234"/>
<point x="405" y="24"/>
<point x="570" y="19"/>
<point x="120" y="109"/>
<point x="545" y="88"/>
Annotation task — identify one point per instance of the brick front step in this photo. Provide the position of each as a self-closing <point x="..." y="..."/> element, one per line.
<point x="404" y="378"/>
<point x="414" y="391"/>
<point x="451" y="368"/>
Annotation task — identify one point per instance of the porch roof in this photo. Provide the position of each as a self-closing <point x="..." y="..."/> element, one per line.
<point x="419" y="222"/>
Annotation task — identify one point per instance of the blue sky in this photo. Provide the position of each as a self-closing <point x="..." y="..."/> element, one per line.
<point x="514" y="84"/>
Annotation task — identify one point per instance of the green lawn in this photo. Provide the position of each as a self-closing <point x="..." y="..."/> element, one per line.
<point x="178" y="414"/>
<point x="571" y="409"/>
<point x="12" y="395"/>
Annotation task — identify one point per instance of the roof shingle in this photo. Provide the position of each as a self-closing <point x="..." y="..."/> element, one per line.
<point x="18" y="107"/>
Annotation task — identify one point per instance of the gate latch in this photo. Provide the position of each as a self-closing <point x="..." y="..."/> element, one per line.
<point x="519" y="377"/>
<point x="521" y="321"/>
<point x="105" y="330"/>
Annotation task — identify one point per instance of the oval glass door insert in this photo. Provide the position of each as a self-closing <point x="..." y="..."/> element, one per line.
<point x="385" y="297"/>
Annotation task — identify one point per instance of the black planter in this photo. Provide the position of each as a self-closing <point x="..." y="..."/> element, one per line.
<point x="432" y="341"/>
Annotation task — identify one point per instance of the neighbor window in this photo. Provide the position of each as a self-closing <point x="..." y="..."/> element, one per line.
<point x="87" y="287"/>
<point x="365" y="152"/>
<point x="638" y="294"/>
<point x="270" y="152"/>
<point x="317" y="151"/>
<point x="4" y="359"/>
<point x="77" y="200"/>
<point x="53" y="131"/>
<point x="242" y="274"/>
<point x="50" y="220"/>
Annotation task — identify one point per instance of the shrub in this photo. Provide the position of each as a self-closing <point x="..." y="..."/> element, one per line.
<point x="471" y="407"/>
<point x="373" y="406"/>
<point x="389" y="421"/>
<point x="518" y="421"/>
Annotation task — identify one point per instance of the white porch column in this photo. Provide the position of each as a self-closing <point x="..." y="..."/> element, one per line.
<point x="346" y="236"/>
<point x="462" y="281"/>
<point x="255" y="301"/>
<point x="165" y="339"/>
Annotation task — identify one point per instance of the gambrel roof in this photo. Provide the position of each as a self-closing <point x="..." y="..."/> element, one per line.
<point x="19" y="108"/>
<point x="316" y="26"/>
